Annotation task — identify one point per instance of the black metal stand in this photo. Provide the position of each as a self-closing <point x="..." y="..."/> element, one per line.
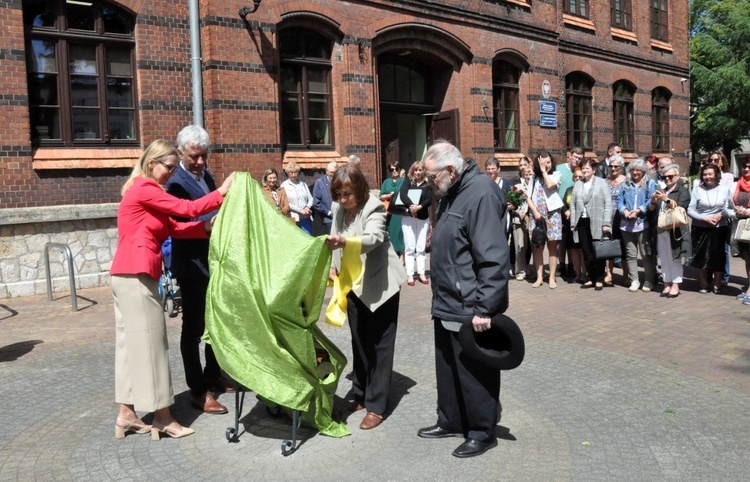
<point x="288" y="447"/>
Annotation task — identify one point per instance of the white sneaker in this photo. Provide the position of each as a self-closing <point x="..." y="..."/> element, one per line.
<point x="647" y="287"/>
<point x="634" y="286"/>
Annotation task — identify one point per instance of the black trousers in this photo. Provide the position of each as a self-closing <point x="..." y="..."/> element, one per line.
<point x="373" y="345"/>
<point x="594" y="267"/>
<point x="468" y="391"/>
<point x="193" y="292"/>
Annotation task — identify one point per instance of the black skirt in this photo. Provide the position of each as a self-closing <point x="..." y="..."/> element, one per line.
<point x="708" y="248"/>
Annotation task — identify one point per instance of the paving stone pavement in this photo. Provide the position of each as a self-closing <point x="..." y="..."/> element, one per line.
<point x="615" y="386"/>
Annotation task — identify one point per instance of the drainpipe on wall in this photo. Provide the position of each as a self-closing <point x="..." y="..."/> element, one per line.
<point x="195" y="60"/>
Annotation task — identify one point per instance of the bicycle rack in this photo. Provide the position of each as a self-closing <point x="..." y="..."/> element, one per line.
<point x="71" y="274"/>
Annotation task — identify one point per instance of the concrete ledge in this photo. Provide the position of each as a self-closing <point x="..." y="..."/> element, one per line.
<point x="71" y="212"/>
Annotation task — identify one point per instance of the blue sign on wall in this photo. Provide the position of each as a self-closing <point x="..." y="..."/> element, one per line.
<point x="547" y="120"/>
<point x="547" y="107"/>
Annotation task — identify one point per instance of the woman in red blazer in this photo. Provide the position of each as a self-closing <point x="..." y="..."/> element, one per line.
<point x="142" y="378"/>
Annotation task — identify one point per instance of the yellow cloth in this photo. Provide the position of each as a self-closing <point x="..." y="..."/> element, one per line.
<point x="350" y="277"/>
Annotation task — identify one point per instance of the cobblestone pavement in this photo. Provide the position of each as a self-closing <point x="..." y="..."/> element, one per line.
<point x="615" y="386"/>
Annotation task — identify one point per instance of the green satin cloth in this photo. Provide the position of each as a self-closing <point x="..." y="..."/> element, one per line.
<point x="268" y="281"/>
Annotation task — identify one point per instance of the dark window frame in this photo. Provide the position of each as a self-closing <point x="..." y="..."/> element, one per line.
<point x="622" y="14"/>
<point x="502" y="91"/>
<point x="64" y="37"/>
<point x="579" y="111"/>
<point x="660" y="99"/>
<point x="303" y="65"/>
<point x="579" y="8"/>
<point x="659" y="20"/>
<point x="623" y="114"/>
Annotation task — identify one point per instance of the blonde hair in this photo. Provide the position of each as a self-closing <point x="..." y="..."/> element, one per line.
<point x="414" y="167"/>
<point x="291" y="167"/>
<point x="156" y="151"/>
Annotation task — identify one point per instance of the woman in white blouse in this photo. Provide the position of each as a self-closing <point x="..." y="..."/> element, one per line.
<point x="300" y="199"/>
<point x="710" y="209"/>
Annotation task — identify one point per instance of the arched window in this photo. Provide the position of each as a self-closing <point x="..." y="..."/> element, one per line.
<point x="660" y="119"/>
<point x="579" y="113"/>
<point x="305" y="82"/>
<point x="81" y="73"/>
<point x="622" y="108"/>
<point x="505" y="106"/>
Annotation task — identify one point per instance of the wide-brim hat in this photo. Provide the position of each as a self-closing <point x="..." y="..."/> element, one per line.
<point x="501" y="347"/>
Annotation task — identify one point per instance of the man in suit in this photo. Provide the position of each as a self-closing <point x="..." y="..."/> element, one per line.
<point x="469" y="286"/>
<point x="322" y="196"/>
<point x="192" y="181"/>
<point x="602" y="169"/>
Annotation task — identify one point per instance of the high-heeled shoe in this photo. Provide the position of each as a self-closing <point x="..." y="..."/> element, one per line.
<point x="158" y="429"/>
<point x="121" y="427"/>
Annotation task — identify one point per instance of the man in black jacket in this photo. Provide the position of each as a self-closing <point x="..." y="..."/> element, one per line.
<point x="469" y="267"/>
<point x="192" y="181"/>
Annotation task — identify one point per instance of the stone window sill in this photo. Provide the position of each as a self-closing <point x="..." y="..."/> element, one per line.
<point x="313" y="159"/>
<point x="579" y="22"/>
<point x="658" y="44"/>
<point x="623" y="34"/>
<point x="57" y="158"/>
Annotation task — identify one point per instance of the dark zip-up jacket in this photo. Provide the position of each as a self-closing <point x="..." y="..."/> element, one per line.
<point x="469" y="261"/>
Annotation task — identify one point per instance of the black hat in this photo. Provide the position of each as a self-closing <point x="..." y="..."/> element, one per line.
<point x="501" y="347"/>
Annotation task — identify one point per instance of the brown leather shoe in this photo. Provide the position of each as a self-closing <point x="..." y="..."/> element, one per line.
<point x="207" y="403"/>
<point x="220" y="385"/>
<point x="371" y="421"/>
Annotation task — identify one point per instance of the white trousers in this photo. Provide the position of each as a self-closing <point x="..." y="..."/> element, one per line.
<point x="415" y="243"/>
<point x="142" y="376"/>
<point x="671" y="269"/>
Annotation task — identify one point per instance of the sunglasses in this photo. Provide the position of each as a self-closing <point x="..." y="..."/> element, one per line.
<point x="392" y="169"/>
<point x="169" y="167"/>
<point x="671" y="176"/>
<point x="745" y="167"/>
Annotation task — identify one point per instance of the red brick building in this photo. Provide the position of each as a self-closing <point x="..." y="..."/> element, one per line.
<point x="86" y="84"/>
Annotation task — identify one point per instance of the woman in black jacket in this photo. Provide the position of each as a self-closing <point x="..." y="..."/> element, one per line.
<point x="671" y="244"/>
<point x="413" y="204"/>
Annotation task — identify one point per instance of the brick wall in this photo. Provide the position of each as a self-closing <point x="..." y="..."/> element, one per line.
<point x="240" y="75"/>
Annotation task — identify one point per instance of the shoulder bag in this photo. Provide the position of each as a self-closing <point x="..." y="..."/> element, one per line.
<point x="742" y="233"/>
<point x="672" y="216"/>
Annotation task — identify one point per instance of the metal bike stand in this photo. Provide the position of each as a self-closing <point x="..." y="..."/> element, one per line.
<point x="71" y="273"/>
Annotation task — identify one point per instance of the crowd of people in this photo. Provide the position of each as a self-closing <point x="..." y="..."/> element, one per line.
<point x="480" y="239"/>
<point x="584" y="201"/>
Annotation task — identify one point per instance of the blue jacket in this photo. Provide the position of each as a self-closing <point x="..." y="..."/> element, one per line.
<point x="634" y="197"/>
<point x="322" y="198"/>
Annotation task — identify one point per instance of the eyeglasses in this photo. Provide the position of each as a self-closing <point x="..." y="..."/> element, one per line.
<point x="615" y="167"/>
<point x="431" y="177"/>
<point x="671" y="176"/>
<point x="169" y="167"/>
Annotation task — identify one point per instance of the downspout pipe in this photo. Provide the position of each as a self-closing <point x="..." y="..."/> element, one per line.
<point x="195" y="61"/>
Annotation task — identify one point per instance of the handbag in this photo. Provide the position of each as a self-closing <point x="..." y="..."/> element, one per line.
<point x="742" y="233"/>
<point x="607" y="248"/>
<point x="539" y="233"/>
<point x="672" y="216"/>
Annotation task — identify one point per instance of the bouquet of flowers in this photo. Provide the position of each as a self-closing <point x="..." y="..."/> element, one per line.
<point x="515" y="196"/>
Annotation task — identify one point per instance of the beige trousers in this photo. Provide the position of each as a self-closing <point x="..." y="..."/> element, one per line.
<point x="142" y="376"/>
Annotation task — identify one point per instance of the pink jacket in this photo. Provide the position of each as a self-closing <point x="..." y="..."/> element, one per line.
<point x="144" y="223"/>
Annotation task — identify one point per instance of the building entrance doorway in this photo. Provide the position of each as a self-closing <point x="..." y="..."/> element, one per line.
<point x="411" y="89"/>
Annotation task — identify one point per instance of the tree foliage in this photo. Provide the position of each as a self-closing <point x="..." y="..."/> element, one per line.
<point x="720" y="73"/>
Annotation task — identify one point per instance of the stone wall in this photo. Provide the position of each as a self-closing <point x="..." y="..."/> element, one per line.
<point x="89" y="230"/>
